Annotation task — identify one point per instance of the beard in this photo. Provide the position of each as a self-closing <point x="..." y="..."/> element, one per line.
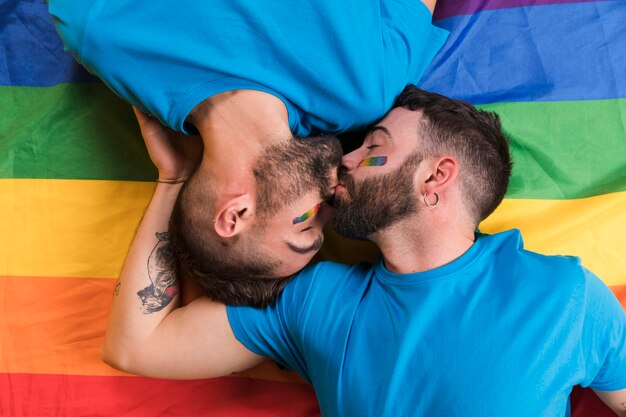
<point x="287" y="171"/>
<point x="376" y="203"/>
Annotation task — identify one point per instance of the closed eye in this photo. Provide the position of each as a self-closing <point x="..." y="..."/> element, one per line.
<point x="306" y="228"/>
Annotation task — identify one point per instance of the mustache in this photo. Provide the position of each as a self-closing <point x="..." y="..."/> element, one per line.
<point x="346" y="180"/>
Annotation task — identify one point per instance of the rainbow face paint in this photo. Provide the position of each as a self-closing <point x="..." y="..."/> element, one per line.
<point x="307" y="215"/>
<point x="373" y="161"/>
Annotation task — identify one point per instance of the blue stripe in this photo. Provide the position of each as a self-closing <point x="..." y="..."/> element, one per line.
<point x="543" y="53"/>
<point x="31" y="53"/>
<point x="558" y="52"/>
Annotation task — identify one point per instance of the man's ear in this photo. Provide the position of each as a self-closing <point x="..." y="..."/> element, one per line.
<point x="234" y="216"/>
<point x="439" y="174"/>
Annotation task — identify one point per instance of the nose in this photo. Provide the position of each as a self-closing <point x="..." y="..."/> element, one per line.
<point x="348" y="162"/>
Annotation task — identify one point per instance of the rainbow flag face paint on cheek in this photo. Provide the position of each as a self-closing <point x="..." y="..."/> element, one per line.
<point x="307" y="215"/>
<point x="373" y="161"/>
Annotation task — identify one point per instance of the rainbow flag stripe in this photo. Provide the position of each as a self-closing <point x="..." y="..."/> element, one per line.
<point x="75" y="178"/>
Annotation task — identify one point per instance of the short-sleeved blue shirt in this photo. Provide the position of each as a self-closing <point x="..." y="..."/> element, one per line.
<point x="500" y="331"/>
<point x="337" y="65"/>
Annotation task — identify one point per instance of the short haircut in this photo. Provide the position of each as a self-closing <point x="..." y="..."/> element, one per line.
<point x="474" y="137"/>
<point x="233" y="272"/>
<point x="238" y="270"/>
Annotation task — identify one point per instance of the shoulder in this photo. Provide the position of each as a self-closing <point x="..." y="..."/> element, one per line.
<point x="507" y="253"/>
<point x="509" y="245"/>
<point x="553" y="276"/>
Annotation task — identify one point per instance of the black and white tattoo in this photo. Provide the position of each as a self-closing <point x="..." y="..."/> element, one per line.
<point x="162" y="273"/>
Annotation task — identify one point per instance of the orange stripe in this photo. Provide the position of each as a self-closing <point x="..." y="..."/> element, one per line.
<point x="56" y="326"/>
<point x="620" y="293"/>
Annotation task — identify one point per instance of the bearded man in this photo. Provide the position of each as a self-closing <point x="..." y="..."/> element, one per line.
<point x="448" y="321"/>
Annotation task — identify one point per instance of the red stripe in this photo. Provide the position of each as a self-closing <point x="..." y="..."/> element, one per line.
<point x="587" y="404"/>
<point x="28" y="395"/>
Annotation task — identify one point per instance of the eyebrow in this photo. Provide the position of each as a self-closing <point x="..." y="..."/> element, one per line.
<point x="303" y="251"/>
<point x="378" y="128"/>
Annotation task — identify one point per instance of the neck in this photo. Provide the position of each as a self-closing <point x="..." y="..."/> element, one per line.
<point x="425" y="243"/>
<point x="236" y="127"/>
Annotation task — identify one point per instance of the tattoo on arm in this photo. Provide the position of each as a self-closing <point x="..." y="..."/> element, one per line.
<point x="116" y="292"/>
<point x="162" y="273"/>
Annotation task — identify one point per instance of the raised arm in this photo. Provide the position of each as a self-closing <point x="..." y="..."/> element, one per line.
<point x="148" y="332"/>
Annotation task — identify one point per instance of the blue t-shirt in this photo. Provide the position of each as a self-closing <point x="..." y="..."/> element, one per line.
<point x="500" y="331"/>
<point x="337" y="65"/>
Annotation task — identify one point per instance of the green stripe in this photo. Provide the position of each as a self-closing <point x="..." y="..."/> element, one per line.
<point x="70" y="131"/>
<point x="561" y="150"/>
<point x="565" y="150"/>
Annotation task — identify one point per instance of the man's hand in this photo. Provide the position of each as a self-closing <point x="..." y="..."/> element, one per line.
<point x="174" y="154"/>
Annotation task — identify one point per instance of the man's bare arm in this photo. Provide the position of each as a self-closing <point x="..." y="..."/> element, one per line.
<point x="148" y="332"/>
<point x="430" y="4"/>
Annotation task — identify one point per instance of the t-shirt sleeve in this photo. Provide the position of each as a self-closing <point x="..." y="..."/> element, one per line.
<point x="603" y="337"/>
<point x="270" y="331"/>
<point x="410" y="39"/>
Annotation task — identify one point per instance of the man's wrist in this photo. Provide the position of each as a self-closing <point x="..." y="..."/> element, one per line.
<point x="167" y="188"/>
<point x="171" y="181"/>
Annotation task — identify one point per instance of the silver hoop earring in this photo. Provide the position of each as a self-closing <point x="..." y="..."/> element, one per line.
<point x="431" y="205"/>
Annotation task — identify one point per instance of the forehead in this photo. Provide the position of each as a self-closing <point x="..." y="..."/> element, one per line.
<point x="401" y="120"/>
<point x="402" y="125"/>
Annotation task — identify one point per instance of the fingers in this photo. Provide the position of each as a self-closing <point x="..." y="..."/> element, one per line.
<point x="139" y="114"/>
<point x="150" y="127"/>
<point x="142" y="117"/>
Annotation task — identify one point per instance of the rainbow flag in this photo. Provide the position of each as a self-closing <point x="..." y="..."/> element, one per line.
<point x="75" y="179"/>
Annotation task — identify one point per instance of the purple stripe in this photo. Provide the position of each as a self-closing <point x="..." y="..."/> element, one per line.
<point x="447" y="8"/>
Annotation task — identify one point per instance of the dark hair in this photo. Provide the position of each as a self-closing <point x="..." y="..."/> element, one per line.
<point x="472" y="136"/>
<point x="228" y="271"/>
<point x="237" y="270"/>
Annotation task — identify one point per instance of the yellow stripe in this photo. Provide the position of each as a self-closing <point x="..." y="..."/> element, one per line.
<point x="83" y="228"/>
<point x="591" y="228"/>
<point x="68" y="228"/>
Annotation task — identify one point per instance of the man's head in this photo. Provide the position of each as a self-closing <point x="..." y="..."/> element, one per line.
<point x="242" y="250"/>
<point x="428" y="143"/>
